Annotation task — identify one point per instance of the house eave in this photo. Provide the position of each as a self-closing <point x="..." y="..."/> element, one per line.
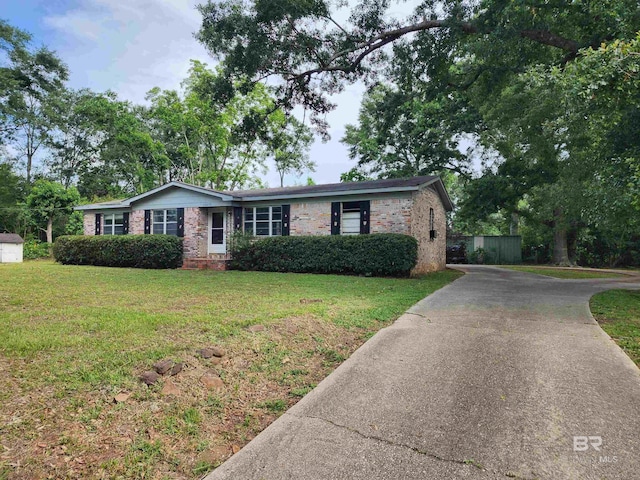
<point x="364" y="191"/>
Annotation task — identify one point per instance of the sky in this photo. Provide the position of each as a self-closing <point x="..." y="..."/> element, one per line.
<point x="131" y="46"/>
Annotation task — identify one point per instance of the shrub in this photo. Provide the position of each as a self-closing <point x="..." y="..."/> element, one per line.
<point x="385" y="254"/>
<point x="138" y="251"/>
<point x="34" y="249"/>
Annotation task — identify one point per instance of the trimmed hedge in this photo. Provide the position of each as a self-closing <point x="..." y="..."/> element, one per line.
<point x="385" y="254"/>
<point x="137" y="251"/>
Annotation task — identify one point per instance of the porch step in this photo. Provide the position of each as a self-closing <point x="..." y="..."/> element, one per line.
<point x="204" y="264"/>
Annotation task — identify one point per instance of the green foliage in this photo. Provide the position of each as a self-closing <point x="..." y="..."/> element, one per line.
<point x="403" y="132"/>
<point x="48" y="200"/>
<point x="75" y="224"/>
<point x="34" y="249"/>
<point x="376" y="255"/>
<point x="137" y="251"/>
<point x="479" y="256"/>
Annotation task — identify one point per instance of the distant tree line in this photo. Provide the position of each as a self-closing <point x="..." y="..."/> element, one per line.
<point x="60" y="146"/>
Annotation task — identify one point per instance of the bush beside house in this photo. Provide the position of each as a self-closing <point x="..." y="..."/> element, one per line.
<point x="137" y="251"/>
<point x="376" y="255"/>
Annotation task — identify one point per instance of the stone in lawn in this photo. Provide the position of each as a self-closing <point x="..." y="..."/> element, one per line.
<point x="163" y="366"/>
<point x="218" y="352"/>
<point x="177" y="368"/>
<point x="150" y="377"/>
<point x="211" y="381"/>
<point x="170" y="388"/>
<point x="211" y="352"/>
<point x="121" y="397"/>
<point x="205" y="352"/>
<point x="256" y="328"/>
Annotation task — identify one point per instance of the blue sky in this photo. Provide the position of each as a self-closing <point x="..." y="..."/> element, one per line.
<point x="130" y="46"/>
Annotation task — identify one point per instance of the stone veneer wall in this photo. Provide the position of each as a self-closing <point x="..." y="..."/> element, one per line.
<point x="432" y="254"/>
<point x="89" y="223"/>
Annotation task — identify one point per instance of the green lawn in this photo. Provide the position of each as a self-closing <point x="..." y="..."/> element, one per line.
<point x="618" y="313"/>
<point x="564" y="273"/>
<point x="71" y="338"/>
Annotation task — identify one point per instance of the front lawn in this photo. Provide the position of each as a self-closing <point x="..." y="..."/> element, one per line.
<point x="565" y="273"/>
<point x="618" y="313"/>
<point x="73" y="338"/>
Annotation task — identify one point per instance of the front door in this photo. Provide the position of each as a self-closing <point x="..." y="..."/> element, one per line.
<point x="217" y="229"/>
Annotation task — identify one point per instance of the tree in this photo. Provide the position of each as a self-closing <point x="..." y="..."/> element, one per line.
<point x="303" y="43"/>
<point x="402" y="134"/>
<point x="289" y="140"/>
<point x="48" y="201"/>
<point x="32" y="79"/>
<point x="11" y="195"/>
<point x="480" y="53"/>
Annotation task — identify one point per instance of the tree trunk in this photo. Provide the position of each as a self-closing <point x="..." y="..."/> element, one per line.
<point x="29" y="164"/>
<point x="50" y="230"/>
<point x="560" y="250"/>
<point x="513" y="226"/>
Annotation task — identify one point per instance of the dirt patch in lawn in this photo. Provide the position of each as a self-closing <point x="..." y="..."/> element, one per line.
<point x="52" y="433"/>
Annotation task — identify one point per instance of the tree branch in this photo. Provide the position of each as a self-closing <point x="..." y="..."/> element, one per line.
<point x="543" y="37"/>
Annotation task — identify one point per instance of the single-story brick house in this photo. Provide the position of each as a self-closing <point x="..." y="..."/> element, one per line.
<point x="206" y="218"/>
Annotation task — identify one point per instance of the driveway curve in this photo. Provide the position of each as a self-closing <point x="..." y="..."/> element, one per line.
<point x="500" y="374"/>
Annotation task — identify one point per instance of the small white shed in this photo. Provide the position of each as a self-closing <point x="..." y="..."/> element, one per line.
<point x="10" y="248"/>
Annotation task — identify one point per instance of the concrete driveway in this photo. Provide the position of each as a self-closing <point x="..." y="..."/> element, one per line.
<point x="498" y="375"/>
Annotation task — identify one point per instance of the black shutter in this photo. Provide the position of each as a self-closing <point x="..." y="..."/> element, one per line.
<point x="237" y="219"/>
<point x="98" y="221"/>
<point x="364" y="216"/>
<point x="147" y="222"/>
<point x="286" y="213"/>
<point x="180" y="222"/>
<point x="335" y="218"/>
<point x="125" y="223"/>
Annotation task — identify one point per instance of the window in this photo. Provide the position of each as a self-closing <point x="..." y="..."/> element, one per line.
<point x="165" y="221"/>
<point x="432" y="225"/>
<point x="263" y="221"/>
<point x="350" y="218"/>
<point x="113" y="224"/>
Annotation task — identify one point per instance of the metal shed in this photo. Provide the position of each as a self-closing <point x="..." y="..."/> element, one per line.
<point x="499" y="250"/>
<point x="11" y="246"/>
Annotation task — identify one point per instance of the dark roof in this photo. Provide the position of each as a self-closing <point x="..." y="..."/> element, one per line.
<point x="10" y="238"/>
<point x="335" y="187"/>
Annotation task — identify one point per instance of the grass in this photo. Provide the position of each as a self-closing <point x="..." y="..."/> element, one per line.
<point x="564" y="273"/>
<point x="71" y="338"/>
<point x="618" y="313"/>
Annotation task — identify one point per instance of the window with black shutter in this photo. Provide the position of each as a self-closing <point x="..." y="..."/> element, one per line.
<point x="98" y="230"/>
<point x="354" y="218"/>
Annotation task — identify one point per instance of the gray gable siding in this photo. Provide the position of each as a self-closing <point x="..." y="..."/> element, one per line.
<point x="177" y="198"/>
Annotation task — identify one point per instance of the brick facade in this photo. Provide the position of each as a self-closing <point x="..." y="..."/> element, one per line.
<point x="405" y="213"/>
<point x="136" y="222"/>
<point x="89" y="223"/>
<point x="312" y="218"/>
<point x="391" y="215"/>
<point x="196" y="224"/>
<point x="432" y="254"/>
